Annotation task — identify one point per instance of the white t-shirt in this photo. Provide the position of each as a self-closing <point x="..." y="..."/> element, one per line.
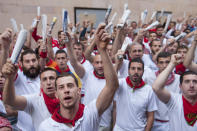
<point x="176" y="114"/>
<point x="132" y="105"/>
<point x="162" y="112"/>
<point x="92" y="88"/>
<point x="2" y="107"/>
<point x="37" y="108"/>
<point x="149" y="62"/>
<point x="24" y="86"/>
<point x="88" y="122"/>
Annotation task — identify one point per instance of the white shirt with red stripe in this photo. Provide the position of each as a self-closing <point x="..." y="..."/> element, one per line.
<point x="92" y="88"/>
<point x="88" y="122"/>
<point x="37" y="108"/>
<point x="132" y="105"/>
<point x="176" y="114"/>
<point x="24" y="86"/>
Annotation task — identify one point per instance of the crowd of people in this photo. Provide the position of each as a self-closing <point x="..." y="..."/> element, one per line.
<point x="85" y="81"/>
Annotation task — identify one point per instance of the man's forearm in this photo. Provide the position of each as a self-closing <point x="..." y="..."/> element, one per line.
<point x="190" y="54"/>
<point x="150" y="120"/>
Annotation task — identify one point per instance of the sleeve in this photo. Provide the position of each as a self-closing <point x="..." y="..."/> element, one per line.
<point x="171" y="105"/>
<point x="30" y="99"/>
<point x="35" y="36"/>
<point x="92" y="116"/>
<point x="152" y="105"/>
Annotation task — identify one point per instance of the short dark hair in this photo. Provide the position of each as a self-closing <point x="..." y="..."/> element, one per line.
<point x="186" y="73"/>
<point x="182" y="47"/>
<point x="151" y="43"/>
<point x="66" y="74"/>
<point x="28" y="51"/>
<point x="159" y="26"/>
<point x="60" y="51"/>
<point x="78" y="43"/>
<point x="163" y="55"/>
<point x="59" y="32"/>
<point x="138" y="60"/>
<point x="48" y="69"/>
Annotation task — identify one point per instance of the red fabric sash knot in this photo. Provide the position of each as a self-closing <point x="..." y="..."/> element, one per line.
<point x="99" y="77"/>
<point x="83" y="60"/>
<point x="58" y="118"/>
<point x="180" y="69"/>
<point x="43" y="54"/>
<point x="190" y="112"/>
<point x="51" y="103"/>
<point x="58" y="46"/>
<point x="142" y="83"/>
<point x="170" y="78"/>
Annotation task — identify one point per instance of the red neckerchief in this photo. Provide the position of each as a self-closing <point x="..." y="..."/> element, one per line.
<point x="180" y="69"/>
<point x="58" y="46"/>
<point x="1" y="95"/>
<point x="190" y="112"/>
<point x="83" y="60"/>
<point x="142" y="83"/>
<point x="51" y="103"/>
<point x="99" y="77"/>
<point x="170" y="78"/>
<point x="58" y="118"/>
<point x="145" y="40"/>
<point x="60" y="71"/>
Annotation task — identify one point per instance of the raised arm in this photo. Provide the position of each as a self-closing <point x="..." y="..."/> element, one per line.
<point x="9" y="70"/>
<point x="79" y="69"/>
<point x="106" y="96"/>
<point x="89" y="50"/>
<point x="158" y="85"/>
<point x="190" y="56"/>
<point x="5" y="41"/>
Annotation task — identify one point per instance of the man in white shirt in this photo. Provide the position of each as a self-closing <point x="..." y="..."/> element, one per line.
<point x="182" y="107"/>
<point x="161" y="121"/>
<point x="135" y="101"/>
<point x="74" y="116"/>
<point x="39" y="106"/>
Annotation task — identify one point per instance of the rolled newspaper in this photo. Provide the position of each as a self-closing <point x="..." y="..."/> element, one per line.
<point x="124" y="18"/>
<point x="113" y="17"/>
<point x="14" y="25"/>
<point x="64" y="20"/>
<point x="168" y="22"/>
<point x="38" y="11"/>
<point x="153" y="15"/>
<point x="68" y="19"/>
<point x="111" y="21"/>
<point x="22" y="27"/>
<point x="52" y="24"/>
<point x="183" y="34"/>
<point x="126" y="42"/>
<point x="152" y="25"/>
<point x="125" y="7"/>
<point x="34" y="22"/>
<point x="143" y="15"/>
<point x="108" y="12"/>
<point x="162" y="12"/>
<point x="44" y="27"/>
<point x="22" y="36"/>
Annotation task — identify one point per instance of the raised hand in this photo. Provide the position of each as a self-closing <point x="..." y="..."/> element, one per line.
<point x="6" y="38"/>
<point x="176" y="59"/>
<point x="9" y="70"/>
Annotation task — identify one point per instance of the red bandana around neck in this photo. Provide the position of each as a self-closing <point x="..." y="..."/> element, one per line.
<point x="170" y="79"/>
<point x="58" y="46"/>
<point x="60" y="71"/>
<point x="190" y="112"/>
<point x="83" y="60"/>
<point x="180" y="69"/>
<point x="58" y="118"/>
<point x="99" y="77"/>
<point x="51" y="103"/>
<point x="142" y="83"/>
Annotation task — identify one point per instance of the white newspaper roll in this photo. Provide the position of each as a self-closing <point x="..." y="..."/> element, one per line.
<point x="68" y="19"/>
<point x="108" y="12"/>
<point x="34" y="22"/>
<point x="168" y="22"/>
<point x="38" y="11"/>
<point x="113" y="17"/>
<point x="181" y="35"/>
<point x="153" y="15"/>
<point x="14" y="25"/>
<point x="162" y="11"/>
<point x="22" y="27"/>
<point x="44" y="27"/>
<point x="125" y="7"/>
<point x="22" y="36"/>
<point x="143" y="16"/>
<point x="152" y="25"/>
<point x="124" y="18"/>
<point x="108" y="26"/>
<point x="125" y="44"/>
